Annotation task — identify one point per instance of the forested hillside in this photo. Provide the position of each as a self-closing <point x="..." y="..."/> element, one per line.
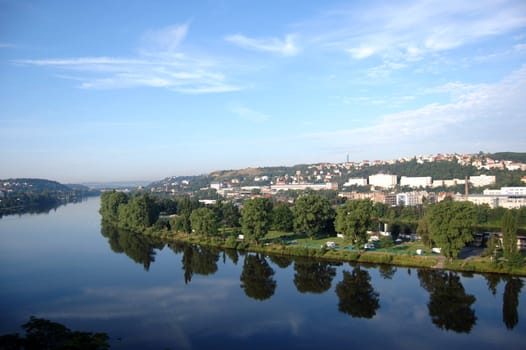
<point x="25" y="195"/>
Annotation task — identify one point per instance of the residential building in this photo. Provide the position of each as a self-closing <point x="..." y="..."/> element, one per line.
<point x="482" y="180"/>
<point x="495" y="201"/>
<point x="416" y="182"/>
<point x="383" y="180"/>
<point x="314" y="187"/>
<point x="409" y="198"/>
<point x="355" y="182"/>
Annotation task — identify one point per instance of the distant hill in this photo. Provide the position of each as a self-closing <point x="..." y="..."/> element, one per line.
<point x="519" y="157"/>
<point x="27" y="195"/>
<point x="29" y="185"/>
<point x="439" y="167"/>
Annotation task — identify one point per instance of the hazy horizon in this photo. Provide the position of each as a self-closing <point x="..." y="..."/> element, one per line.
<point x="119" y="91"/>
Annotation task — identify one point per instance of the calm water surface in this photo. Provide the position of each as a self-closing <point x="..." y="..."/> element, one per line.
<point x="149" y="295"/>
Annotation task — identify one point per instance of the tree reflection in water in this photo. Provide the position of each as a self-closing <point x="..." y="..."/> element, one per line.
<point x="510" y="302"/>
<point x="281" y="261"/>
<point x="256" y="277"/>
<point x="232" y="255"/>
<point x="449" y="306"/>
<point x="357" y="296"/>
<point x="199" y="260"/>
<point x="313" y="276"/>
<point x="138" y="247"/>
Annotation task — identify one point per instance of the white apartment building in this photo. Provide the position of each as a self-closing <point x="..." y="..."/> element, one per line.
<point x="409" y="198"/>
<point x="448" y="183"/>
<point x="495" y="201"/>
<point x="355" y="182"/>
<point x="506" y="191"/>
<point x="383" y="180"/>
<point x="299" y="187"/>
<point x="482" y="180"/>
<point x="513" y="191"/>
<point x="416" y="182"/>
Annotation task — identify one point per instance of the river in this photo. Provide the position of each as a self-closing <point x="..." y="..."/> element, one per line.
<point x="145" y="294"/>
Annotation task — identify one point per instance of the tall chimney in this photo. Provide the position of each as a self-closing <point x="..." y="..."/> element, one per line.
<point x="466" y="188"/>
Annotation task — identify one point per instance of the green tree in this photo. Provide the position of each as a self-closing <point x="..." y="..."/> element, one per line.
<point x="493" y="248"/>
<point x="451" y="226"/>
<point x="353" y="219"/>
<point x="313" y="215"/>
<point x="256" y="218"/>
<point x="185" y="206"/>
<point x="109" y="205"/>
<point x="203" y="220"/>
<point x="230" y="214"/>
<point x="45" y="334"/>
<point x="140" y="213"/>
<point x="282" y="218"/>
<point x="509" y="239"/>
<point x="422" y="230"/>
<point x="357" y="296"/>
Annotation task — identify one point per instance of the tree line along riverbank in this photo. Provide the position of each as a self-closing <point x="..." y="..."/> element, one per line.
<point x="312" y="227"/>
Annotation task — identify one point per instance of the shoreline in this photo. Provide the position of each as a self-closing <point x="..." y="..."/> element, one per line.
<point x="439" y="262"/>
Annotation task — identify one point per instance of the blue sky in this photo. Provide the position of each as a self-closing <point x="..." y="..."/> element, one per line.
<point x="141" y="90"/>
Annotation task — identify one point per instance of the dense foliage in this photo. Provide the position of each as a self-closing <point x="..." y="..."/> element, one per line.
<point x="313" y="215"/>
<point x="451" y="226"/>
<point x="45" y="334"/>
<point x="256" y="218"/>
<point x="353" y="219"/>
<point x="447" y="225"/>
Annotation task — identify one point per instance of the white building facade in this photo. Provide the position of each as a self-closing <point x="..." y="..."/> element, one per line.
<point x="409" y="199"/>
<point x="482" y="180"/>
<point x="383" y="180"/>
<point x="416" y="182"/>
<point x="355" y="182"/>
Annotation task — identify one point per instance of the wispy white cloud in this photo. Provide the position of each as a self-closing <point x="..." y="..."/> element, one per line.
<point x="361" y="52"/>
<point x="159" y="64"/>
<point x="166" y="39"/>
<point x="284" y="47"/>
<point x="471" y="118"/>
<point x="408" y="31"/>
<point x="249" y="114"/>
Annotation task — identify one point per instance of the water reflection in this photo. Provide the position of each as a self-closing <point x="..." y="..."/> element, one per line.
<point x="492" y="281"/>
<point x="357" y="295"/>
<point x="197" y="259"/>
<point x="138" y="247"/>
<point x="449" y="306"/>
<point x="256" y="277"/>
<point x="232" y="254"/>
<point x="510" y="302"/>
<point x="388" y="271"/>
<point x="281" y="261"/>
<point x="313" y="276"/>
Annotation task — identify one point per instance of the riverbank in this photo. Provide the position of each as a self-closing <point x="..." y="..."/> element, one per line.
<point x="473" y="264"/>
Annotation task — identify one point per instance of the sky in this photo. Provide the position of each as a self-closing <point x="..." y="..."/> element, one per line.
<point x="141" y="90"/>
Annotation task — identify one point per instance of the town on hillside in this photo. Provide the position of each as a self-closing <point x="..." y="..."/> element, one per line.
<point x="498" y="180"/>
